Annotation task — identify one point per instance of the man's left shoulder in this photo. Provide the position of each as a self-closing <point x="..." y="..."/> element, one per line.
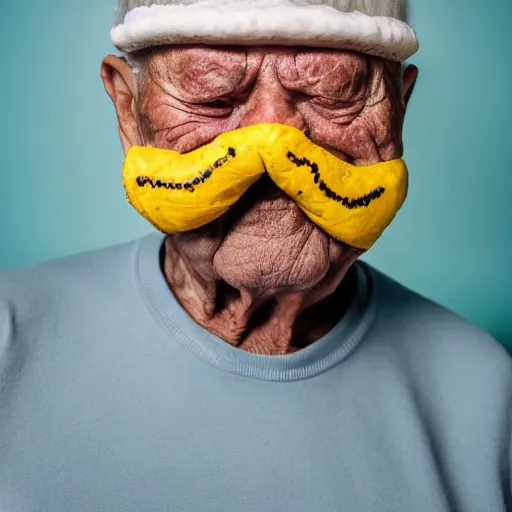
<point x="433" y="339"/>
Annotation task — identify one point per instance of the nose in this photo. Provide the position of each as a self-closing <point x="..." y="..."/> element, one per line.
<point x="270" y="102"/>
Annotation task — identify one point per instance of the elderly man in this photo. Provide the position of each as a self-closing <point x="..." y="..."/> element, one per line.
<point x="244" y="360"/>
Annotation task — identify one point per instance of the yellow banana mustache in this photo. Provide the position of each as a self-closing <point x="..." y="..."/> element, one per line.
<point x="181" y="192"/>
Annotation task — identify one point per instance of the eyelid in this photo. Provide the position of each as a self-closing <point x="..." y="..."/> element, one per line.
<point x="225" y="102"/>
<point x="342" y="106"/>
<point x="205" y="108"/>
<point x="333" y="102"/>
<point x="204" y="102"/>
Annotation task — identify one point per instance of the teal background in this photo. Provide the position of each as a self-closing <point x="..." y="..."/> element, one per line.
<point x="61" y="191"/>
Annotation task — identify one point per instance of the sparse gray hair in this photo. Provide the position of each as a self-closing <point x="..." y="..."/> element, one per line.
<point x="136" y="62"/>
<point x="392" y="8"/>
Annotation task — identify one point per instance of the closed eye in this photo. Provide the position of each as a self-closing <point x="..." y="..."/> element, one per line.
<point x="219" y="107"/>
<point x="218" y="103"/>
<point x="331" y="103"/>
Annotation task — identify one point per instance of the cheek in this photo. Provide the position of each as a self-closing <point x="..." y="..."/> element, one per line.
<point x="369" y="138"/>
<point x="183" y="132"/>
<point x="350" y="141"/>
<point x="342" y="255"/>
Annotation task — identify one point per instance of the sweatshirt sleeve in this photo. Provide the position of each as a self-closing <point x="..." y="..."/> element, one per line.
<point x="508" y="445"/>
<point x="7" y="344"/>
<point x="508" y="488"/>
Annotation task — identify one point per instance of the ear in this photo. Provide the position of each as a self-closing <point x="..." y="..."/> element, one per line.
<point x="121" y="85"/>
<point x="408" y="82"/>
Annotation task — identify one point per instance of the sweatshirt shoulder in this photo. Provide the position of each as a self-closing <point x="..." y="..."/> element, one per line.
<point x="433" y="338"/>
<point x="26" y="291"/>
<point x="38" y="302"/>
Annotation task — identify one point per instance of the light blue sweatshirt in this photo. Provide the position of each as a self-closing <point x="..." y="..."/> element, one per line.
<point x="112" y="399"/>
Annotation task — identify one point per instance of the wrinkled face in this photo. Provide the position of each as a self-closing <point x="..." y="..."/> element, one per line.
<point x="348" y="103"/>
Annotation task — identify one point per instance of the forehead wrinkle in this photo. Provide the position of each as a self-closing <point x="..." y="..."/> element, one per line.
<point x="309" y="66"/>
<point x="357" y="71"/>
<point x="332" y="72"/>
<point x="158" y="85"/>
<point x="197" y="72"/>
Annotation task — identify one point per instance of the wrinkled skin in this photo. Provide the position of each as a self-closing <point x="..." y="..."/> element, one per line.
<point x="263" y="277"/>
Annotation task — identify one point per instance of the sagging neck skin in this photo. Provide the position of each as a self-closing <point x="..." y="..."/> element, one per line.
<point x="265" y="320"/>
<point x="263" y="277"/>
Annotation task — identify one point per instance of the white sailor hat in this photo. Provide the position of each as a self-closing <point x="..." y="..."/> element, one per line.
<point x="374" y="27"/>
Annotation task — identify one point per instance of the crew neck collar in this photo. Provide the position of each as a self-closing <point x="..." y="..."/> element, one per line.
<point x="322" y="355"/>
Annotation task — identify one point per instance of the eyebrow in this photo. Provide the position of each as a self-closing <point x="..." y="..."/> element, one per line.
<point x="212" y="76"/>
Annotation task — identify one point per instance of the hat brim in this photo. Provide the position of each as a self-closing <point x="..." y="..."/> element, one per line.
<point x="243" y="24"/>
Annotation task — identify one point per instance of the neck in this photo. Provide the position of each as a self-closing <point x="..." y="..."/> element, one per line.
<point x="263" y="321"/>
